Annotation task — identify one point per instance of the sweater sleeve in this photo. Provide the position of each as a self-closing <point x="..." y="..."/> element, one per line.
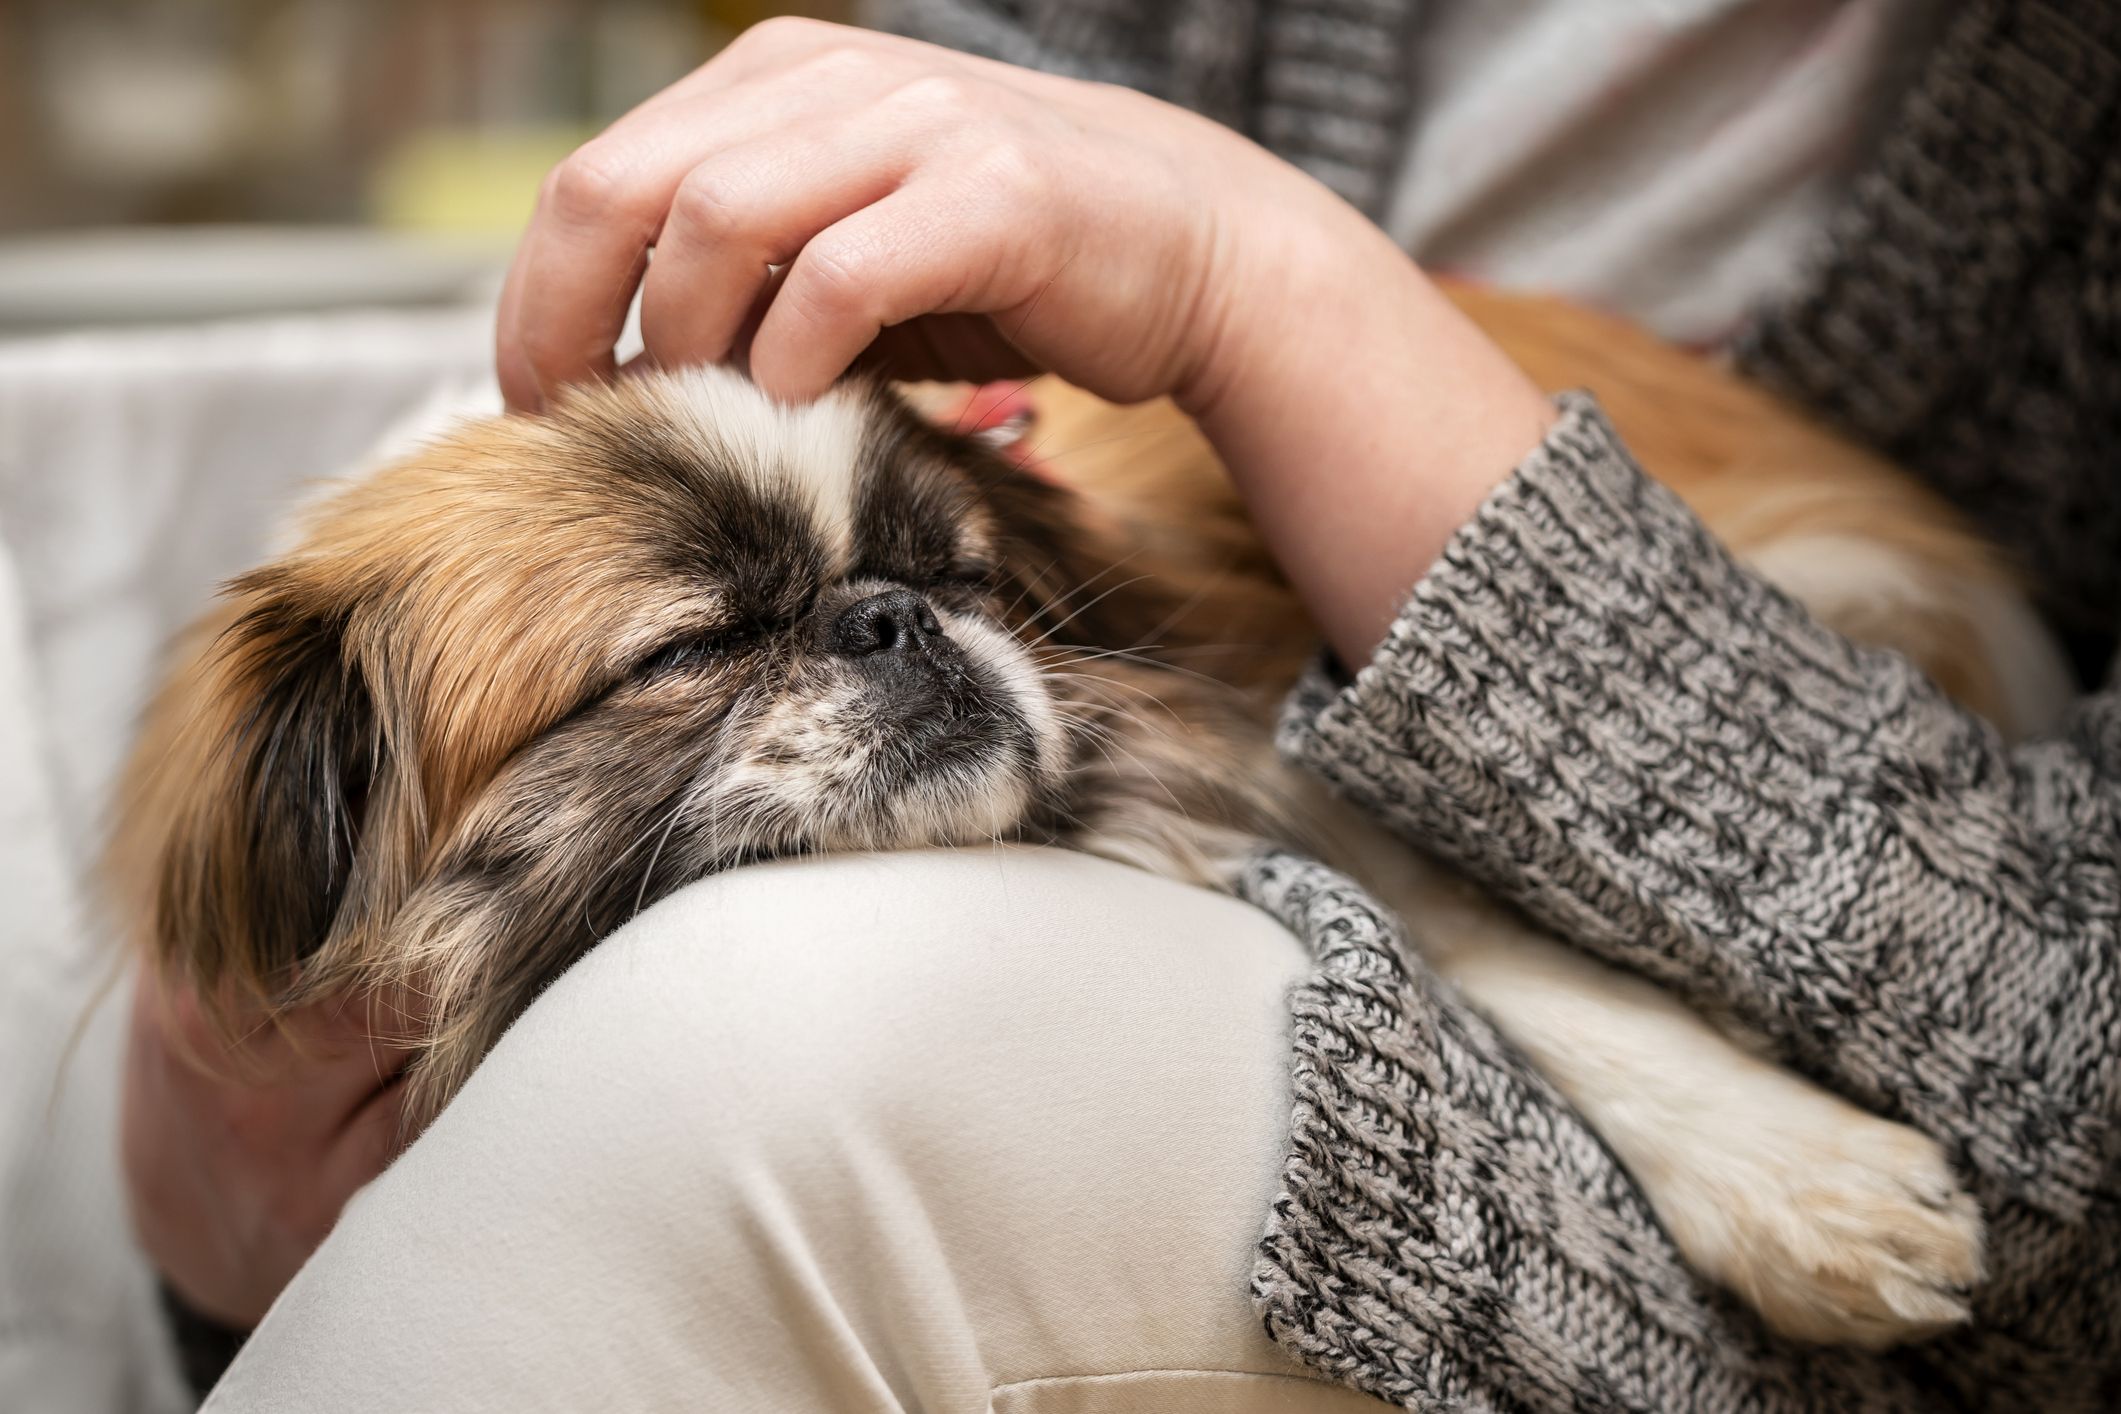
<point x="1588" y="704"/>
<point x="1449" y="1235"/>
<point x="1961" y="314"/>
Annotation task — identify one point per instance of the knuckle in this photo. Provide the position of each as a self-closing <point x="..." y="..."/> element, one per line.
<point x="837" y="279"/>
<point x="780" y="32"/>
<point x="1012" y="168"/>
<point x="590" y="185"/>
<point x="549" y="354"/>
<point x="840" y="66"/>
<point x="708" y="206"/>
<point x="937" y="95"/>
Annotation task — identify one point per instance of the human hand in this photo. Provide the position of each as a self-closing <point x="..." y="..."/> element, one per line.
<point x="986" y="219"/>
<point x="816" y="193"/>
<point x="238" y="1156"/>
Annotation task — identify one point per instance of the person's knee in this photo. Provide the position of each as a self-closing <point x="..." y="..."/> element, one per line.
<point x="977" y="1117"/>
<point x="965" y="1020"/>
<point x="782" y="1004"/>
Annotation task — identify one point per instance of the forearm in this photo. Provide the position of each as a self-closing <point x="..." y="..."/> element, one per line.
<point x="1590" y="705"/>
<point x="1363" y="418"/>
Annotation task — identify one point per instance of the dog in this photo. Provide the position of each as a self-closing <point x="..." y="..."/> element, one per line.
<point x="505" y="693"/>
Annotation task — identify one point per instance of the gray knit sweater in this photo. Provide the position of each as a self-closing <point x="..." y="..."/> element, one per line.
<point x="1754" y="811"/>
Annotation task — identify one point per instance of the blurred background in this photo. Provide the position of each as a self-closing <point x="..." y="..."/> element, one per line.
<point x="173" y="159"/>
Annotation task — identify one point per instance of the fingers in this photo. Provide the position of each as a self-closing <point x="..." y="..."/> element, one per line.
<point x="749" y="209"/>
<point x="326" y="1058"/>
<point x="572" y="278"/>
<point x="239" y="1153"/>
<point x="923" y="250"/>
<point x="586" y="248"/>
<point x="727" y="171"/>
<point x="892" y="185"/>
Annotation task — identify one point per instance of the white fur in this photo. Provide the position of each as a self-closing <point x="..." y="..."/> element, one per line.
<point x="1837" y="1226"/>
<point x="810" y="450"/>
<point x="1840" y="575"/>
<point x="2037" y="684"/>
<point x="830" y="783"/>
<point x="1009" y="666"/>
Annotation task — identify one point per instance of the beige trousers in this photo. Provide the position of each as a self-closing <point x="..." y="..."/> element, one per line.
<point x="948" y="1132"/>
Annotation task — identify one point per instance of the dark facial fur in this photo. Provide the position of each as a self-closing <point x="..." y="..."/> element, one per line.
<point x="511" y="691"/>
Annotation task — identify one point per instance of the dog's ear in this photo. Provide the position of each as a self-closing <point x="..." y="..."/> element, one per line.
<point x="1064" y="570"/>
<point x="241" y="812"/>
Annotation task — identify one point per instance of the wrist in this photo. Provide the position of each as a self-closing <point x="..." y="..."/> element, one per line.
<point x="1363" y="418"/>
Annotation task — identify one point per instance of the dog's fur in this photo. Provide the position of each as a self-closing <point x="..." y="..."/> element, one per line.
<point x="509" y="691"/>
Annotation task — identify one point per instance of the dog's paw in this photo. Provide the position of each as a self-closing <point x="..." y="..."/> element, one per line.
<point x="1836" y="1226"/>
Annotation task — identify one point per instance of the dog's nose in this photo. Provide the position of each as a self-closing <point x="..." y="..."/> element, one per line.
<point x="897" y="621"/>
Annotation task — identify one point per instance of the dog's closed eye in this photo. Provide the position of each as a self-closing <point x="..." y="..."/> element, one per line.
<point x="692" y="652"/>
<point x="701" y="646"/>
<point x="975" y="577"/>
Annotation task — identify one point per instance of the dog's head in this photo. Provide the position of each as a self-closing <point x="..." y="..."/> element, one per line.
<point x="507" y="692"/>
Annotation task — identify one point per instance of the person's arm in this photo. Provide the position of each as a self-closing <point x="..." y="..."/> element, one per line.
<point x="1590" y="705"/>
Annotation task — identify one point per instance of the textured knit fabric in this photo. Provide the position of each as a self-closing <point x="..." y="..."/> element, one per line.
<point x="1449" y="1233"/>
<point x="1968" y="320"/>
<point x="1591" y="707"/>
<point x="1324" y="83"/>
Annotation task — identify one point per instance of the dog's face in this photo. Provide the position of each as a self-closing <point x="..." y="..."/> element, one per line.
<point x="505" y="693"/>
<point x="719" y="629"/>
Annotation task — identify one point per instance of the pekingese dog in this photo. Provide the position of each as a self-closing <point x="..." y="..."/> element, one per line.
<point x="504" y="694"/>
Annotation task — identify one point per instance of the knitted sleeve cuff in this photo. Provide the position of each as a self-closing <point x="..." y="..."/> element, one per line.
<point x="1591" y="706"/>
<point x="1449" y="1235"/>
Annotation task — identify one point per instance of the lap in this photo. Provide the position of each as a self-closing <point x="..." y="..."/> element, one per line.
<point x="948" y="1131"/>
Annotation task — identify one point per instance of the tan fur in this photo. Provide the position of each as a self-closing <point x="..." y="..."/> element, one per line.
<point x="1760" y="474"/>
<point x="508" y="660"/>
